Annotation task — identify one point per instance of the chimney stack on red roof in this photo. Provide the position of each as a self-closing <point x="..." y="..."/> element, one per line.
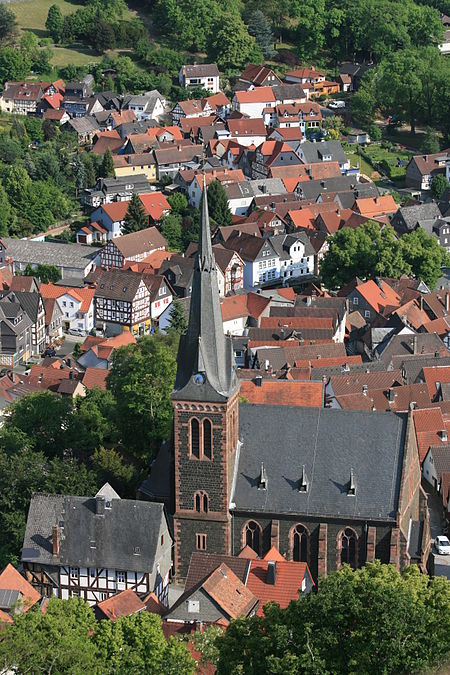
<point x="271" y="575"/>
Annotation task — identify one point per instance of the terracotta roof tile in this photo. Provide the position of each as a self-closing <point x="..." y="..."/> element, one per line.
<point x="12" y="580"/>
<point x="122" y="604"/>
<point x="224" y="587"/>
<point x="379" y="298"/>
<point x="434" y="377"/>
<point x="287" y="586"/>
<point x="283" y="392"/>
<point x="84" y="295"/>
<point x="95" y="377"/>
<point x="256" y="95"/>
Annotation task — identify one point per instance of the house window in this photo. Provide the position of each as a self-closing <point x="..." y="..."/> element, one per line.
<point x="366" y="314"/>
<point x="92" y="572"/>
<point x="200" y="542"/>
<point x="201" y="502"/>
<point x="355" y="301"/>
<point x="252" y="536"/>
<point x="103" y="596"/>
<point x="75" y="594"/>
<point x="347" y="548"/>
<point x="121" y="577"/>
<point x="73" y="572"/>
<point x="162" y="540"/>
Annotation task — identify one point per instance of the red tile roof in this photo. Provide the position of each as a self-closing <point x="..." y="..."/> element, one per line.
<point x="283" y="392"/>
<point x="224" y="587"/>
<point x="428" y="423"/>
<point x="155" y="204"/>
<point x="376" y="206"/>
<point x="305" y="72"/>
<point x="122" y="604"/>
<point x="256" y="95"/>
<point x="379" y="298"/>
<point x="12" y="580"/>
<point x="95" y="377"/>
<point x="287" y="586"/>
<point x="435" y="377"/>
<point x="84" y="295"/>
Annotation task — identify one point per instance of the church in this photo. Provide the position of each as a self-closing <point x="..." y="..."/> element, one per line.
<point x="324" y="486"/>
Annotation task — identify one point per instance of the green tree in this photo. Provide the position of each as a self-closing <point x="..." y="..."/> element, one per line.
<point x="364" y="101"/>
<point x="178" y="321"/>
<point x="135" y="218"/>
<point x="178" y="202"/>
<point x="5" y="213"/>
<point x="311" y="17"/>
<point x="219" y="210"/>
<point x="259" y="28"/>
<point x="107" y="168"/>
<point x="232" y="47"/>
<point x="399" y="85"/>
<point x="55" y="22"/>
<point x="430" y="144"/>
<point x="8" y="23"/>
<point x="55" y="641"/>
<point x="368" y="251"/>
<point x="375" y="132"/>
<point x="14" y="64"/>
<point x="102" y="36"/>
<point x="141" y="379"/>
<point x="172" y="231"/>
<point x="439" y="184"/>
<point x="46" y="273"/>
<point x="378" y="622"/>
<point x="136" y="644"/>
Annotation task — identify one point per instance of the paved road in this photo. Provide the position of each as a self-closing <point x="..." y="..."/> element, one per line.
<point x="68" y="345"/>
<point x="441" y="562"/>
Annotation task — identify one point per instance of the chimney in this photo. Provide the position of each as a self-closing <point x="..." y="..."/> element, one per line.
<point x="71" y="375"/>
<point x="303" y="486"/>
<point x="271" y="575"/>
<point x="266" y="364"/>
<point x="421" y="303"/>
<point x="55" y="540"/>
<point x="364" y="389"/>
<point x="258" y="380"/>
<point x="391" y="394"/>
<point x="100" y="506"/>
<point x="262" y="481"/>
<point x="443" y="436"/>
<point x="69" y="362"/>
<point x="415" y="345"/>
<point x="351" y="492"/>
<point x="447" y="302"/>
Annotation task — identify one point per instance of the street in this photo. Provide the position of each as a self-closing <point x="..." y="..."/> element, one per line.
<point x="435" y="510"/>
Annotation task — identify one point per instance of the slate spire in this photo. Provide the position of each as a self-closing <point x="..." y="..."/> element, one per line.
<point x="205" y="355"/>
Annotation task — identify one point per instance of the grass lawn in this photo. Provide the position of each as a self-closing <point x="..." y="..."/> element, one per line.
<point x="76" y="55"/>
<point x="356" y="159"/>
<point x="32" y="15"/>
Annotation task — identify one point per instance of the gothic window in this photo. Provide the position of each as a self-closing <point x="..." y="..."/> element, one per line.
<point x="207" y="439"/>
<point x="253" y="536"/>
<point x="195" y="438"/>
<point x="201" y="502"/>
<point x="347" y="543"/>
<point x="299" y="543"/>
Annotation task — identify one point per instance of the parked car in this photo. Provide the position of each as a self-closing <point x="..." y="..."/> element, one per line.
<point x="336" y="104"/>
<point x="442" y="545"/>
<point x="76" y="331"/>
<point x="50" y="351"/>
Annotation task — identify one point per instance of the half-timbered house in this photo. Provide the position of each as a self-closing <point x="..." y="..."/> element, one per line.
<point x="132" y="247"/>
<point x="92" y="548"/>
<point x="122" y="302"/>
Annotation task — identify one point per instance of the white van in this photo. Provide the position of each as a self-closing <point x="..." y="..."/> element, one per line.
<point x="336" y="104"/>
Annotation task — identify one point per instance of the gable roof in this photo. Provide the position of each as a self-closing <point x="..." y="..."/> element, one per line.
<point x="126" y="536"/>
<point x="256" y="95"/>
<point x="255" y="74"/>
<point x="370" y="443"/>
<point x="140" y="242"/>
<point x="11" y="579"/>
<point x="379" y="296"/>
<point x="121" y="604"/>
<point x="288" y="580"/>
<point x="95" y="377"/>
<point x="200" y="70"/>
<point x="84" y="295"/>
<point x="247" y="127"/>
<point x="117" y="284"/>
<point x="224" y="587"/>
<point x="305" y="394"/>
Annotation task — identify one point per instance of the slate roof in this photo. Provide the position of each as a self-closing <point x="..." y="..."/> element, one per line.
<point x="369" y="443"/>
<point x="411" y="215"/>
<point x="117" y="284"/>
<point x="289" y="92"/>
<point x="49" y="253"/>
<point x="201" y="70"/>
<point x="313" y="152"/>
<point x="127" y="524"/>
<point x="441" y="457"/>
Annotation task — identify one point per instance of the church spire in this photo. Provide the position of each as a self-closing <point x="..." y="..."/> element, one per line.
<point x="205" y="355"/>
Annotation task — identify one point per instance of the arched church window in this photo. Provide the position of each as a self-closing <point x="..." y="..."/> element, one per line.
<point x="253" y="536"/>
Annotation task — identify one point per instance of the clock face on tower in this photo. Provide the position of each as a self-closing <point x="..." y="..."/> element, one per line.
<point x="199" y="378"/>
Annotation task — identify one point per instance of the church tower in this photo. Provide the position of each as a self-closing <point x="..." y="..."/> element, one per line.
<point x="205" y="400"/>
